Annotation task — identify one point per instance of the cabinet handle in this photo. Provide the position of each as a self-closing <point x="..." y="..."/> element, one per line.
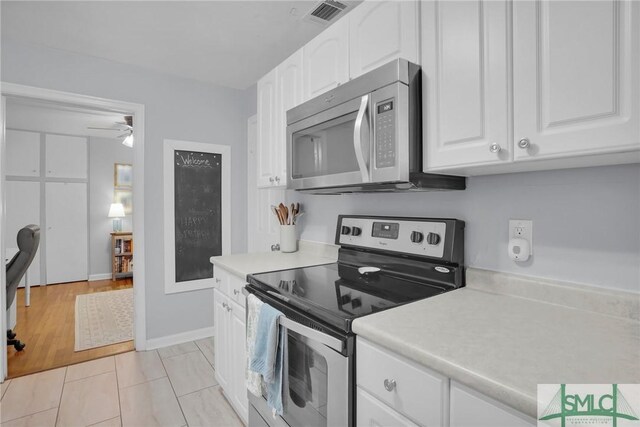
<point x="389" y="385"/>
<point x="524" y="143"/>
<point x="275" y="247"/>
<point x="236" y="291"/>
<point x="277" y="179"/>
<point x="228" y="307"/>
<point x="224" y="305"/>
<point x="218" y="280"/>
<point x="495" y="148"/>
<point x="271" y="179"/>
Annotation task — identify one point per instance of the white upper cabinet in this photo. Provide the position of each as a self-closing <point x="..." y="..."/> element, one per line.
<point x="267" y="122"/>
<point x="576" y="86"/>
<point x="289" y="95"/>
<point x="465" y="83"/>
<point x="66" y="156"/>
<point x="326" y="60"/>
<point x="278" y="91"/>
<point x="23" y="153"/>
<point x="381" y="31"/>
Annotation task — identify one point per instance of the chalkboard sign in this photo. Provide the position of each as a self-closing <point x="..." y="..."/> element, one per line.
<point x="198" y="213"/>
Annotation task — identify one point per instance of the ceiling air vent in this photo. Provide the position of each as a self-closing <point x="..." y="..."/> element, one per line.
<point x="325" y="11"/>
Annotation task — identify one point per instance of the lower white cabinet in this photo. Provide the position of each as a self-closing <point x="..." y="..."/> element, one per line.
<point x="470" y="408"/>
<point x="230" y="358"/>
<point x="372" y="413"/>
<point x="394" y="391"/>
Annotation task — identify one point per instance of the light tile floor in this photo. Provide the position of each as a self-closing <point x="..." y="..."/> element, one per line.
<point x="172" y="386"/>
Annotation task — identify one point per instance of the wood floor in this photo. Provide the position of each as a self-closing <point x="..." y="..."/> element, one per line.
<point x="48" y="327"/>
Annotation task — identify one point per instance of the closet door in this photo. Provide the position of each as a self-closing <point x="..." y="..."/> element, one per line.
<point x="23" y="208"/>
<point x="23" y="153"/>
<point x="66" y="156"/>
<point x="66" y="233"/>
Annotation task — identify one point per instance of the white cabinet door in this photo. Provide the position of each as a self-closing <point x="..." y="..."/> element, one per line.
<point x="267" y="121"/>
<point x="576" y="86"/>
<point x="66" y="156"/>
<point x="262" y="231"/>
<point x="288" y="95"/>
<point x="381" y="31"/>
<point x="471" y="409"/>
<point x="23" y="208"/>
<point x="239" y="360"/>
<point x="22" y="153"/>
<point x="373" y="413"/>
<point x="465" y="83"/>
<point x="221" y="338"/>
<point x="326" y="60"/>
<point x="66" y="232"/>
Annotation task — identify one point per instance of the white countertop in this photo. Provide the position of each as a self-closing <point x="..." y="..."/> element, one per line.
<point x="503" y="345"/>
<point x="260" y="262"/>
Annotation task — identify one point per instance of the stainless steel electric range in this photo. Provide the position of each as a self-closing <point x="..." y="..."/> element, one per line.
<point x="383" y="262"/>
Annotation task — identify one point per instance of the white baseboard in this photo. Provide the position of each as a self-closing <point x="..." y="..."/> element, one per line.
<point x="101" y="276"/>
<point x="180" y="338"/>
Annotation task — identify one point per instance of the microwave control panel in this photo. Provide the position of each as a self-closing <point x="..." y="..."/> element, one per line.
<point x="385" y="134"/>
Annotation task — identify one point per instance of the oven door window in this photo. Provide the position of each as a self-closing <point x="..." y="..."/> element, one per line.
<point x="306" y="384"/>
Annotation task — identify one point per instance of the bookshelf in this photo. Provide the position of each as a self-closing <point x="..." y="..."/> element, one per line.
<point x="121" y="254"/>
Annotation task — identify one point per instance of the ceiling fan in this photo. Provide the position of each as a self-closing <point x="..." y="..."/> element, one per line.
<point x="126" y="127"/>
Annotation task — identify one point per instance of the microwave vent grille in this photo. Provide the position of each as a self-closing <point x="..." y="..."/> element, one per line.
<point x="325" y="11"/>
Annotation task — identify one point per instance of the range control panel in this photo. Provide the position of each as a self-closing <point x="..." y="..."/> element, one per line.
<point x="423" y="237"/>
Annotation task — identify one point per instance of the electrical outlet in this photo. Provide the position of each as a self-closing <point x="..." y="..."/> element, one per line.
<point x="521" y="229"/>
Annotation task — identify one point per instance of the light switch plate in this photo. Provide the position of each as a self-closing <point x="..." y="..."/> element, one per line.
<point x="521" y="229"/>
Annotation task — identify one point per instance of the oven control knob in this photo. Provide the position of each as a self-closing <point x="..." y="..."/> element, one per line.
<point x="356" y="231"/>
<point x="417" y="237"/>
<point x="433" y="238"/>
<point x="345" y="230"/>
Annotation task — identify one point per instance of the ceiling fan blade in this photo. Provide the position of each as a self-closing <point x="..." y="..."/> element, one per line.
<point x="123" y="135"/>
<point x="99" y="128"/>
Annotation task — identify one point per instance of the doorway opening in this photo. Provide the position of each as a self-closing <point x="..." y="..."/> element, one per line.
<point x="69" y="170"/>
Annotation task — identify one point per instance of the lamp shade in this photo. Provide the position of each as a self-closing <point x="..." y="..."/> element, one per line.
<point x="128" y="141"/>
<point x="116" y="210"/>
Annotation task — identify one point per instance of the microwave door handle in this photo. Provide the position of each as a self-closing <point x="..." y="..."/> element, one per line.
<point x="357" y="139"/>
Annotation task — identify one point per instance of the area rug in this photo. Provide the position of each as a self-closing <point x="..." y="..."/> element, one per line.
<point x="103" y="318"/>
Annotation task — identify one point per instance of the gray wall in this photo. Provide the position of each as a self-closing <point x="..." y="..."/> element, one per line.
<point x="174" y="108"/>
<point x="586" y="222"/>
<point x="103" y="154"/>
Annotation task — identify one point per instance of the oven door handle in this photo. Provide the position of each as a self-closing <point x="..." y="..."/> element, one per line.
<point x="357" y="139"/>
<point x="312" y="334"/>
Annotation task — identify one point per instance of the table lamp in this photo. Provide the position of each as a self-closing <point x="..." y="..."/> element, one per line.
<point x="116" y="211"/>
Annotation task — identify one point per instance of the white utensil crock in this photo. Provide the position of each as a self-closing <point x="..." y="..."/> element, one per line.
<point x="288" y="240"/>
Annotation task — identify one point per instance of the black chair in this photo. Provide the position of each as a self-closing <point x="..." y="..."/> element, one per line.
<point x="28" y="241"/>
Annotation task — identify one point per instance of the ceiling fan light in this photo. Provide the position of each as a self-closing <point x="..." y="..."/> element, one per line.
<point x="128" y="141"/>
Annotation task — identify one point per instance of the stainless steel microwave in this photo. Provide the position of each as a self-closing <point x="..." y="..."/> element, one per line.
<point x="363" y="136"/>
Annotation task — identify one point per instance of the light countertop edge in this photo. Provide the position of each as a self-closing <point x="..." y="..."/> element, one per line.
<point x="309" y="254"/>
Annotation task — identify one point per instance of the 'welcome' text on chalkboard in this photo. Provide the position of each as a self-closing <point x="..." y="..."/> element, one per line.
<point x="198" y="219"/>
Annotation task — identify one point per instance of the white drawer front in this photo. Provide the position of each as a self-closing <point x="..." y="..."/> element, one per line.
<point x="418" y="393"/>
<point x="470" y="408"/>
<point x="221" y="280"/>
<point x="374" y="413"/>
<point x="235" y="289"/>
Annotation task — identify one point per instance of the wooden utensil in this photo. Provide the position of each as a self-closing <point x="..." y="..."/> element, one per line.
<point x="277" y="212"/>
<point x="283" y="212"/>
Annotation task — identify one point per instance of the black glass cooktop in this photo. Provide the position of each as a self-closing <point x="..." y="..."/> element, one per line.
<point x="338" y="293"/>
